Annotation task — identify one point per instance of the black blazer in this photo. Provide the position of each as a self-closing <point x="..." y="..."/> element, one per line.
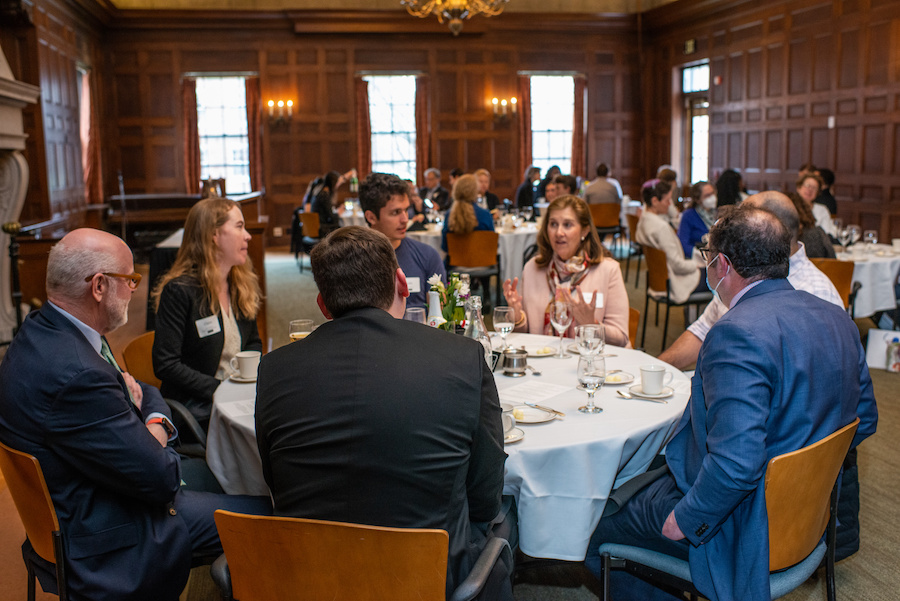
<point x="361" y="433"/>
<point x="440" y="197"/>
<point x="184" y="362"/>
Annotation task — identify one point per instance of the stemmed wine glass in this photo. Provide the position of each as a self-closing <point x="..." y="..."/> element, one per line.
<point x="561" y="318"/>
<point x="855" y="233"/>
<point x="844" y="237"/>
<point x="591" y="339"/>
<point x="870" y="237"/>
<point x="504" y="321"/>
<point x="528" y="213"/>
<point x="591" y="375"/>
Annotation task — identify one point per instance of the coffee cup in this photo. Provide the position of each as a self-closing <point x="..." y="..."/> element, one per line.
<point x="246" y="363"/>
<point x="509" y="422"/>
<point x="653" y="378"/>
<point x="896" y="244"/>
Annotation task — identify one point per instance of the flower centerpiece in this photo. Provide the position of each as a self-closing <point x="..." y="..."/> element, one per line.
<point x="453" y="298"/>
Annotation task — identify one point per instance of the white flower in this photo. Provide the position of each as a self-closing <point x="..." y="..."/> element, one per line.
<point x="464" y="290"/>
<point x="435" y="281"/>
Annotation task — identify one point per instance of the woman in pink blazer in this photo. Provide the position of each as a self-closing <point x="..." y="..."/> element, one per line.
<point x="572" y="265"/>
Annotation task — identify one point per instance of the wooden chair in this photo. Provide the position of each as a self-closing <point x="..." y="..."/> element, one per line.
<point x="801" y="503"/>
<point x="272" y="558"/>
<point x="606" y="219"/>
<point x="841" y="275"/>
<point x="658" y="291"/>
<point x="138" y="355"/>
<point x="310" y="223"/>
<point x="32" y="499"/>
<point x="634" y="317"/>
<point x="476" y="253"/>
<point x="634" y="250"/>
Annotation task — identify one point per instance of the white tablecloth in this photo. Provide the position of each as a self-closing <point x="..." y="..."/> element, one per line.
<point x="512" y="246"/>
<point x="561" y="473"/>
<point x="877" y="272"/>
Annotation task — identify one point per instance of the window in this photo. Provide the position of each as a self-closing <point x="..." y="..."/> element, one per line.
<point x="552" y="114"/>
<point x="694" y="88"/>
<point x="392" y="115"/>
<point x="222" y="128"/>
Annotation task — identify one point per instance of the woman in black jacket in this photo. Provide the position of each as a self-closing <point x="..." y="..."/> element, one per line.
<point x="206" y="307"/>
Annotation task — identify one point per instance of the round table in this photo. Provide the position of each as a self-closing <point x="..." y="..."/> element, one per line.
<point x="561" y="472"/>
<point x="877" y="271"/>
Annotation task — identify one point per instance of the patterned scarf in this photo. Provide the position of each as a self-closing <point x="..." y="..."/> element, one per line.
<point x="560" y="272"/>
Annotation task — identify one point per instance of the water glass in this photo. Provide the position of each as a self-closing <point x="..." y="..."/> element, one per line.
<point x="416" y="314"/>
<point x="590" y="339"/>
<point x="870" y="237"/>
<point x="561" y="318"/>
<point x="591" y="375"/>
<point x="855" y="233"/>
<point x="504" y="322"/>
<point x="300" y="329"/>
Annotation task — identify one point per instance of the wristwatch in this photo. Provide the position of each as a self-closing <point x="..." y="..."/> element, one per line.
<point x="165" y="423"/>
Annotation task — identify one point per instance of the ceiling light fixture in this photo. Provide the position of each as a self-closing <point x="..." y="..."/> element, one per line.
<point x="455" y="11"/>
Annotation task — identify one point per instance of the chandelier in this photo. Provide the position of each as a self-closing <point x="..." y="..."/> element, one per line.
<point x="454" y="10"/>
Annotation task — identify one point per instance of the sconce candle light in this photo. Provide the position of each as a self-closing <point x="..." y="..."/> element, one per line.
<point x="281" y="113"/>
<point x="502" y="107"/>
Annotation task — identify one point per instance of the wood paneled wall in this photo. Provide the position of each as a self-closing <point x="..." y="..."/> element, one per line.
<point x="786" y="69"/>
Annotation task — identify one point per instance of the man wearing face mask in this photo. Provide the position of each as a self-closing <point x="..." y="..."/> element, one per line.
<point x="696" y="221"/>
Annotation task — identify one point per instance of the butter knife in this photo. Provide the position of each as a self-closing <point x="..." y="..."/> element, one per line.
<point x="547" y="409"/>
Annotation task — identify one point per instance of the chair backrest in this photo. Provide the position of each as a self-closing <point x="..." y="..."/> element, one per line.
<point x="138" y="355"/>
<point x="798" y="493"/>
<point x="634" y="317"/>
<point x="632" y="221"/>
<point x="475" y="249"/>
<point x="274" y="558"/>
<point x="841" y="275"/>
<point x="310" y="223"/>
<point x="32" y="499"/>
<point x="605" y="214"/>
<point x="657" y="270"/>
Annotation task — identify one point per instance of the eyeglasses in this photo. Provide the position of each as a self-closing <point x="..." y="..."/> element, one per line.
<point x="134" y="279"/>
<point x="704" y="252"/>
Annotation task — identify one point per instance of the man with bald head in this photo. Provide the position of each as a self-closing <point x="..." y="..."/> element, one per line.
<point x="803" y="275"/>
<point x="101" y="437"/>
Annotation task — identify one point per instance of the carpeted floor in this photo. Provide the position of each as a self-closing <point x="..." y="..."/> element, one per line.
<point x="870" y="575"/>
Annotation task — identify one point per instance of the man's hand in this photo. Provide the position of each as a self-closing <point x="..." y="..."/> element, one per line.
<point x="159" y="433"/>
<point x="670" y="529"/>
<point x="137" y="395"/>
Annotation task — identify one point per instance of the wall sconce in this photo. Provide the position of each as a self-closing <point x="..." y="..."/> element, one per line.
<point x="503" y="107"/>
<point x="279" y="115"/>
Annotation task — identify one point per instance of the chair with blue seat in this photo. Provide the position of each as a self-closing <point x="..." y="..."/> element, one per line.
<point x="801" y="503"/>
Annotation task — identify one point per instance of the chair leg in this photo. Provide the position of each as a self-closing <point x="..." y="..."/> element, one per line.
<point x="646" y="317"/>
<point x="657" y="315"/>
<point x="627" y="262"/>
<point x="31" y="579"/>
<point x="604" y="576"/>
<point x="637" y="269"/>
<point x="665" y="327"/>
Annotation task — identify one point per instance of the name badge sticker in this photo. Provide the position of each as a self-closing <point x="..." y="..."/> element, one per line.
<point x="207" y="326"/>
<point x="587" y="298"/>
<point x="415" y="285"/>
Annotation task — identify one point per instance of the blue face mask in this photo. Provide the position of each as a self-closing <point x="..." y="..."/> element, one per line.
<point x="715" y="290"/>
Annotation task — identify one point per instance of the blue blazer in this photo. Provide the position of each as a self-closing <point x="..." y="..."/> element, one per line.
<point x="781" y="370"/>
<point x="112" y="483"/>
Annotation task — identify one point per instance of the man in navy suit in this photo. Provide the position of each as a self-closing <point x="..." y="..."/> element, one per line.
<point x="101" y="437"/>
<point x="781" y="370"/>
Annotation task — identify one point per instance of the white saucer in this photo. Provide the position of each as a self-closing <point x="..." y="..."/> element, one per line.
<point x="536" y="352"/>
<point x="515" y="435"/>
<point x="240" y="380"/>
<point x="624" y="378"/>
<point x="666" y="391"/>
<point x="526" y="414"/>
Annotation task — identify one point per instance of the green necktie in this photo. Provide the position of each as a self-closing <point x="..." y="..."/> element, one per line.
<point x="106" y="353"/>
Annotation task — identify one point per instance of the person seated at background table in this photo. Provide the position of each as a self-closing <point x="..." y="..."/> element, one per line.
<point x="128" y="524"/>
<point x="390" y="423"/>
<point x="326" y="200"/>
<point x="384" y="201"/>
<point x="602" y="190"/>
<point x="416" y="212"/>
<point x="206" y="307"/>
<point x="698" y="217"/>
<point x="573" y="266"/>
<point x="525" y="192"/>
<point x="486" y="198"/>
<point x="550" y="192"/>
<point x="565" y="185"/>
<point x="816" y="241"/>
<point x="434" y="191"/>
<point x="808" y="187"/>
<point x="454" y="175"/>
<point x="767" y="382"/>
<point x="670" y="176"/>
<point x="653" y="230"/>
<point x="551" y="174"/>
<point x="465" y="216"/>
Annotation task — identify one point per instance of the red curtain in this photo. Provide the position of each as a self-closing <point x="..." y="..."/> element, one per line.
<point x="363" y="129"/>
<point x="423" y="129"/>
<point x="251" y="85"/>
<point x="524" y="102"/>
<point x="191" y="136"/>
<point x="579" y="166"/>
<point x="90" y="151"/>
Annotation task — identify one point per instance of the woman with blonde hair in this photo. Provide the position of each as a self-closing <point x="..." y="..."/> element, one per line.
<point x="464" y="215"/>
<point x="206" y="307"/>
<point x="570" y="265"/>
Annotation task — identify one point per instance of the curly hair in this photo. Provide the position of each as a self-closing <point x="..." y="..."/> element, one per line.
<point x="377" y="189"/>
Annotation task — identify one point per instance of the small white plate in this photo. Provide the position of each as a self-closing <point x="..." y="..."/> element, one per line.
<point x="515" y="435"/>
<point x="504" y="407"/>
<point x="240" y="380"/>
<point x="617" y="378"/>
<point x="537" y="352"/>
<point x="526" y="414"/>
<point x="666" y="391"/>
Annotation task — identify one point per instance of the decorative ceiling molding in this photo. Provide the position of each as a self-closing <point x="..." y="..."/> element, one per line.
<point x="514" y="6"/>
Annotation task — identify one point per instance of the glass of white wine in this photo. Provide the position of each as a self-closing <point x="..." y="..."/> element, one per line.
<point x="300" y="329"/>
<point x="504" y="321"/>
<point x="591" y="375"/>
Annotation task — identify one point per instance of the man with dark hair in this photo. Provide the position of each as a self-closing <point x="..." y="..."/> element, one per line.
<point x="602" y="190"/>
<point x="565" y="184"/>
<point x="767" y="382"/>
<point x="385" y="203"/>
<point x="434" y="192"/>
<point x="826" y="196"/>
<point x="364" y="434"/>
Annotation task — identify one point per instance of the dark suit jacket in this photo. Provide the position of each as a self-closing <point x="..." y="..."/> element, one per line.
<point x="362" y="433"/>
<point x="440" y="197"/>
<point x="110" y="480"/>
<point x="767" y="382"/>
<point x="184" y="362"/>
